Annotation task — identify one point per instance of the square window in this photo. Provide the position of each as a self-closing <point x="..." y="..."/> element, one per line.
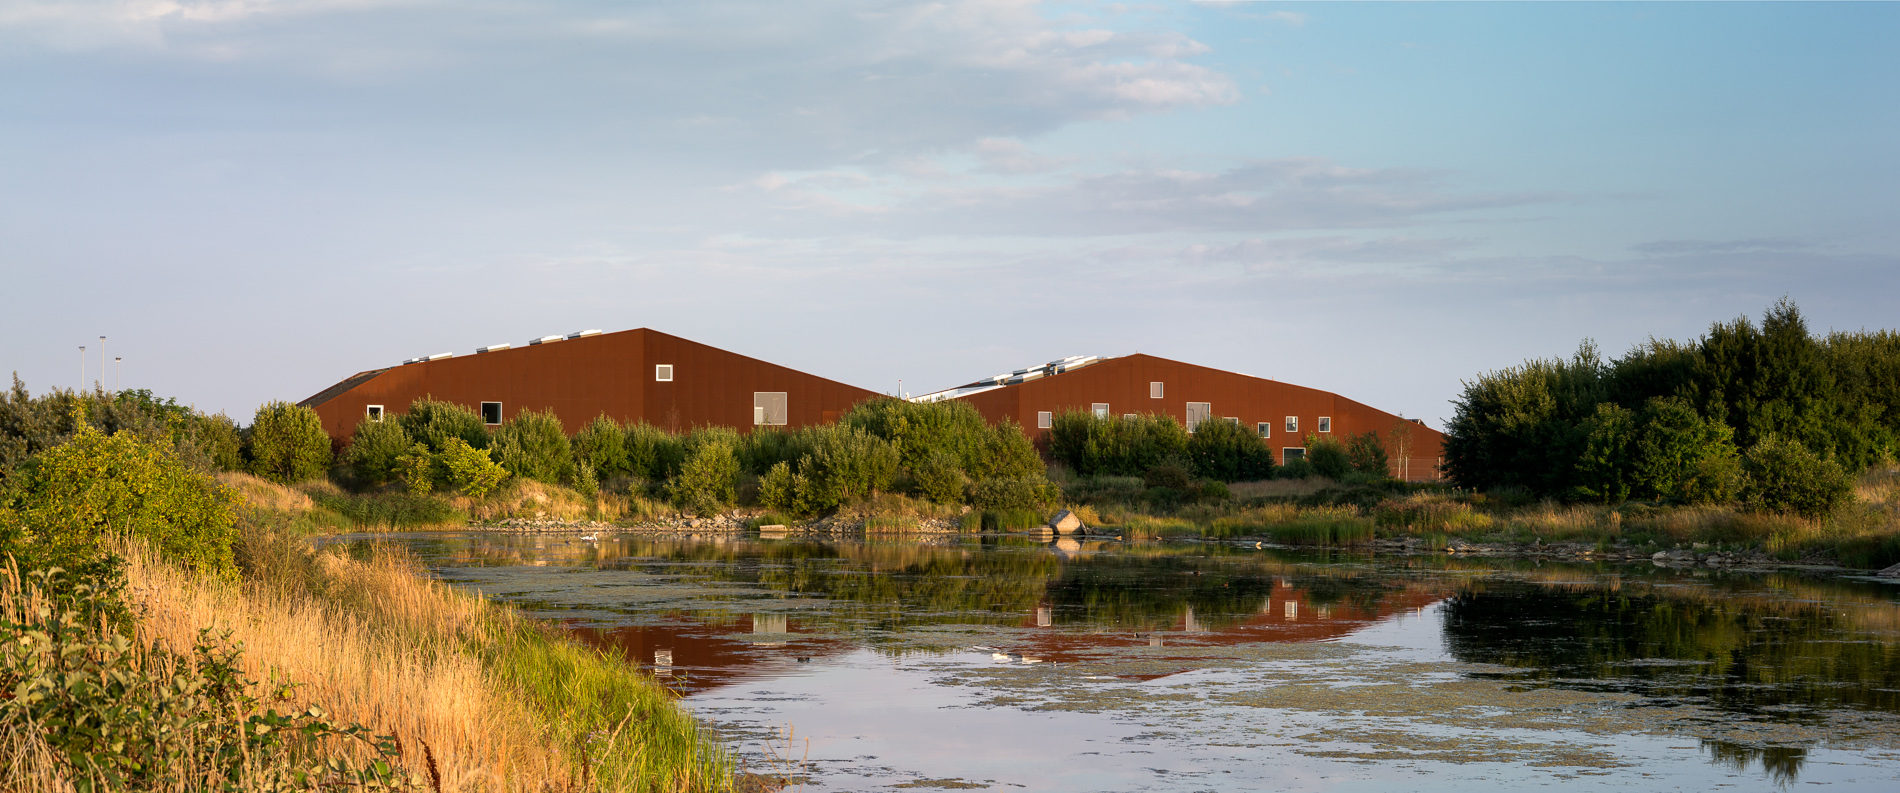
<point x="1234" y="420"/>
<point x="1292" y="425"/>
<point x="1198" y="412"/>
<point x="1325" y="423"/>
<point x="491" y="412"/>
<point x="375" y="412"/>
<point x="1154" y="390"/>
<point x="1100" y="409"/>
<point x="1130" y="416"/>
<point x="663" y="373"/>
<point x="1291" y="453"/>
<point x="1045" y="419"/>
<point x="768" y="408"/>
<point x="1265" y="428"/>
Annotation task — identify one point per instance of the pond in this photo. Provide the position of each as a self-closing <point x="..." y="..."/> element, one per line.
<point x="1014" y="663"/>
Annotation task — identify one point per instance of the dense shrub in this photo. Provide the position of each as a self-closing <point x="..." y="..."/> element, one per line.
<point x="708" y="481"/>
<point x="1008" y="452"/>
<point x="1296" y="468"/>
<point x="433" y="422"/>
<point x="1005" y="493"/>
<point x="653" y="453"/>
<point x="533" y="445"/>
<point x="1785" y="476"/>
<point x="1169" y="475"/>
<point x="1328" y="456"/>
<point x="374" y="449"/>
<point x="416" y="468"/>
<point x="470" y="470"/>
<point x="1366" y="451"/>
<point x="845" y="464"/>
<point x="1667" y="451"/>
<point x="602" y="445"/>
<point x="288" y="444"/>
<point x="1115" y="445"/>
<point x="30" y="425"/>
<point x="939" y="478"/>
<point x="781" y="489"/>
<point x="71" y="498"/>
<point x="766" y="447"/>
<point x="217" y="437"/>
<point x="950" y="427"/>
<point x="1225" y="451"/>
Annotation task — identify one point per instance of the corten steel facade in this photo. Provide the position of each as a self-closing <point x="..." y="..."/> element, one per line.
<point x="613" y="373"/>
<point x="1126" y="385"/>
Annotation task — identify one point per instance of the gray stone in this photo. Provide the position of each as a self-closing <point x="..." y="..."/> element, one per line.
<point x="1066" y="522"/>
<point x="1891" y="572"/>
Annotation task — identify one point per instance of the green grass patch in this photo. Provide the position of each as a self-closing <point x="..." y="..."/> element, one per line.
<point x="1011" y="519"/>
<point x="390" y="510"/>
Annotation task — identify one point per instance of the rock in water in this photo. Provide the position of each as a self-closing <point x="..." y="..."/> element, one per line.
<point x="1065" y="522"/>
<point x="1891" y="572"/>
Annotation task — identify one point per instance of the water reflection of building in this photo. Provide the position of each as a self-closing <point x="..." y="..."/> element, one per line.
<point x="692" y="655"/>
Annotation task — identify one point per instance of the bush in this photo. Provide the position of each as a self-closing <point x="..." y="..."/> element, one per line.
<point x="218" y="438"/>
<point x="1224" y="450"/>
<point x="1784" y="476"/>
<point x="416" y="468"/>
<point x="1172" y="476"/>
<point x="1367" y="454"/>
<point x="653" y="453"/>
<point x="602" y="445"/>
<point x="471" y="470"/>
<point x="939" y="478"/>
<point x="533" y="445"/>
<point x="1296" y="468"/>
<point x="708" y="481"/>
<point x="374" y="449"/>
<point x="1003" y="493"/>
<point x="1115" y="445"/>
<point x="288" y="443"/>
<point x="919" y="430"/>
<point x="1009" y="453"/>
<point x="845" y="464"/>
<point x="75" y="495"/>
<point x="765" y="447"/>
<point x="433" y="422"/>
<point x="780" y="489"/>
<point x="1328" y="457"/>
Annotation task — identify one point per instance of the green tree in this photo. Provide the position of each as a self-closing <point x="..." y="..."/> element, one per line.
<point x="939" y="478"/>
<point x="1367" y="453"/>
<point x="470" y="470"/>
<point x="1328" y="456"/>
<point x="416" y="467"/>
<point x="1523" y="426"/>
<point x="708" y="482"/>
<point x="94" y="486"/>
<point x="845" y="464"/>
<point x="1606" y="468"/>
<point x="533" y="445"/>
<point x="781" y="489"/>
<point x="602" y="445"/>
<point x="433" y="422"/>
<point x="1679" y="455"/>
<point x="288" y="444"/>
<point x="653" y="453"/>
<point x="374" y="449"/>
<point x="1225" y="451"/>
<point x="1786" y="476"/>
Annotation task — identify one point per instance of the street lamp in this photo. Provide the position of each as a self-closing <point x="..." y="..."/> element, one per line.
<point x="82" y="367"/>
<point x="118" y="374"/>
<point x="102" y="363"/>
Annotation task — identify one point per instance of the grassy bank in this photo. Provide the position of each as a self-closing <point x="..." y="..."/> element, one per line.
<point x="1864" y="533"/>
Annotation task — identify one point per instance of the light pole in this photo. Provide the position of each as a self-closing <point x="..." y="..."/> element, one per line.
<point x="118" y="374"/>
<point x="102" y="363"/>
<point x="82" y="367"/>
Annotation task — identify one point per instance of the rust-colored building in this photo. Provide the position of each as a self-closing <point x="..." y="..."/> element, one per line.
<point x="1282" y="414"/>
<point x="630" y="375"/>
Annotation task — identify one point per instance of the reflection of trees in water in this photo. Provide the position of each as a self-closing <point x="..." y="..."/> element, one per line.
<point x="1738" y="654"/>
<point x="1779" y="763"/>
<point x="1135" y="592"/>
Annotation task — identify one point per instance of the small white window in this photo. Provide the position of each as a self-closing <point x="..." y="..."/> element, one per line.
<point x="1292" y="424"/>
<point x="1291" y="453"/>
<point x="1100" y="409"/>
<point x="1325" y="423"/>
<point x="1130" y="416"/>
<point x="1045" y="419"/>
<point x="1234" y="420"/>
<point x="663" y="373"/>
<point x="1198" y="412"/>
<point x="1265" y="428"/>
<point x="768" y="408"/>
<point x="491" y="412"/>
<point x="1154" y="390"/>
<point x="375" y="412"/>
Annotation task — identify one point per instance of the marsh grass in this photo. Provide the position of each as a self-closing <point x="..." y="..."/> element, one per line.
<point x="503" y="703"/>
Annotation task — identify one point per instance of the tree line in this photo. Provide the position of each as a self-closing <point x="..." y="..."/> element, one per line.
<point x="1769" y="414"/>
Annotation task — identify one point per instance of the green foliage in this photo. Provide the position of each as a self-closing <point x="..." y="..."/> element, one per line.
<point x="602" y="446"/>
<point x="374" y="450"/>
<point x="845" y="464"/>
<point x="433" y="422"/>
<point x="1296" y="468"/>
<point x="1169" y="475"/>
<point x="117" y="716"/>
<point x="533" y="445"/>
<point x="1008" y="452"/>
<point x="653" y="453"/>
<point x="950" y="427"/>
<point x="781" y="489"/>
<point x="1366" y="451"/>
<point x="766" y="447"/>
<point x="218" y="438"/>
<point x="1006" y="519"/>
<point x="939" y="478"/>
<point x="470" y="470"/>
<point x="1003" y="493"/>
<point x="288" y="444"/>
<point x="1785" y="476"/>
<point x="1328" y="457"/>
<point x="708" y="482"/>
<point x="1522" y="426"/>
<point x="72" y="497"/>
<point x="1681" y="456"/>
<point x="1116" y="446"/>
<point x="585" y="482"/>
<point x="1225" y="451"/>
<point x="390" y="510"/>
<point x="416" y="468"/>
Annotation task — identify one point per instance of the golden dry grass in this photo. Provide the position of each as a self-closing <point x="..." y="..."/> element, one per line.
<point x="399" y="673"/>
<point x="265" y="494"/>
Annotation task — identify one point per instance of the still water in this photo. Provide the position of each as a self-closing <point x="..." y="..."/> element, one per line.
<point x="1010" y="663"/>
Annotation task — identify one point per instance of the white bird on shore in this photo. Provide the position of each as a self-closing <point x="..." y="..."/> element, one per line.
<point x="590" y="537"/>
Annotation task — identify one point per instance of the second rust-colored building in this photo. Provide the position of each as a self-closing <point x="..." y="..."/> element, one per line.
<point x="630" y="375"/>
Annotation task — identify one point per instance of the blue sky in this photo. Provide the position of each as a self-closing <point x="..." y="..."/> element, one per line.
<point x="252" y="199"/>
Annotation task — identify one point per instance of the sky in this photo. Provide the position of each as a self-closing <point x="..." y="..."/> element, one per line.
<point x="252" y="199"/>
